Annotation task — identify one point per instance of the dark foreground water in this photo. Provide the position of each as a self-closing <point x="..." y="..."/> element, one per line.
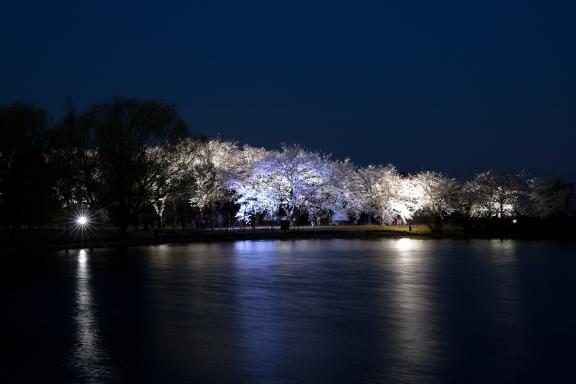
<point x="324" y="311"/>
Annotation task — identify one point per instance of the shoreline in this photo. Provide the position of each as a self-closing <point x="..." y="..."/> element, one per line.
<point x="134" y="239"/>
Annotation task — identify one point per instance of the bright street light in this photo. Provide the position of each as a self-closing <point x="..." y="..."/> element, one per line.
<point x="82" y="220"/>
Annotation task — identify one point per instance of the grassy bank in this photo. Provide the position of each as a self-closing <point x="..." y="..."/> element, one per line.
<point x="58" y="240"/>
<point x="51" y="239"/>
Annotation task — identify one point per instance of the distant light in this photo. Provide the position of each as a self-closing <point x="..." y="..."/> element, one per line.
<point x="514" y="221"/>
<point x="82" y="220"/>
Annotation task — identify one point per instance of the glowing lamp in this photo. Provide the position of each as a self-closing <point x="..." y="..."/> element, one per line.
<point x="82" y="220"/>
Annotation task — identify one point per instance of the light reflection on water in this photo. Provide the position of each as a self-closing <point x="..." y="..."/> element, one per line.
<point x="414" y="333"/>
<point x="88" y="356"/>
<point x="262" y="307"/>
<point x="317" y="311"/>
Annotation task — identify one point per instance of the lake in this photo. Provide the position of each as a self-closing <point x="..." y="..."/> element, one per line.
<point x="310" y="311"/>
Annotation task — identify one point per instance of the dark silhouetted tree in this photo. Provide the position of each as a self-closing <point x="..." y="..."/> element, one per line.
<point x="552" y="196"/>
<point x="26" y="178"/>
<point x="134" y="140"/>
<point x="74" y="157"/>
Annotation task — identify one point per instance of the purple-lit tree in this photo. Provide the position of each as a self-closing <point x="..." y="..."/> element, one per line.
<point x="219" y="171"/>
<point x="283" y="183"/>
<point x="344" y="198"/>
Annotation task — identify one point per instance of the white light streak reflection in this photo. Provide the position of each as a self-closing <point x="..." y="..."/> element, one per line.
<point x="88" y="356"/>
<point x="82" y="259"/>
<point x="404" y="244"/>
<point x="414" y="336"/>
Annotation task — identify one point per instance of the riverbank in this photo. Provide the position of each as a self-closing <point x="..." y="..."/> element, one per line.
<point x="53" y="240"/>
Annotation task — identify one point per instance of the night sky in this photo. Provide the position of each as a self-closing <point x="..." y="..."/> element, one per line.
<point x="457" y="86"/>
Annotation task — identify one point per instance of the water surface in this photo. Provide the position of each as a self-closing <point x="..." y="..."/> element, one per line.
<point x="311" y="311"/>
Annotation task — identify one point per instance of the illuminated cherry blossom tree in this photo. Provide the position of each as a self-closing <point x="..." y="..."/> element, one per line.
<point x="497" y="194"/>
<point x="388" y="195"/>
<point x="344" y="198"/>
<point x="179" y="170"/>
<point x="439" y="196"/>
<point x="284" y="182"/>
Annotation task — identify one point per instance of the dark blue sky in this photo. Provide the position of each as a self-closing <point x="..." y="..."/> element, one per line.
<point x="449" y="85"/>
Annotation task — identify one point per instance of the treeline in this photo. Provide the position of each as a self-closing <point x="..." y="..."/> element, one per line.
<point x="132" y="162"/>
